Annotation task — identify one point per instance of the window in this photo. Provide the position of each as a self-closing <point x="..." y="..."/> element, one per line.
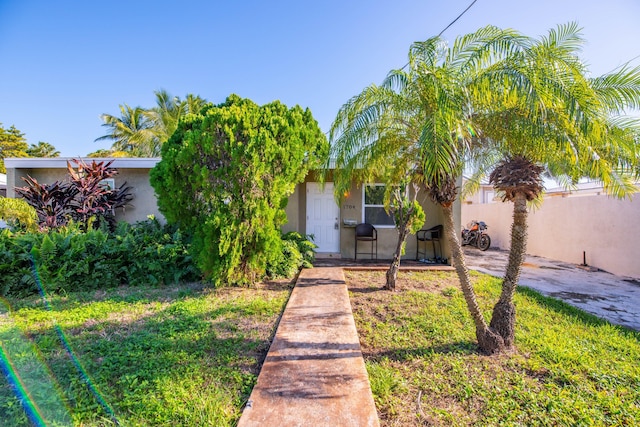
<point x="108" y="184"/>
<point x="373" y="206"/>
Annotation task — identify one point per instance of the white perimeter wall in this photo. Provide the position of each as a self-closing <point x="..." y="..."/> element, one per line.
<point x="608" y="230"/>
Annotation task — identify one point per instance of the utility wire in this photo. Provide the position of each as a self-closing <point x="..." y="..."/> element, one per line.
<point x="450" y="24"/>
<point x="459" y="16"/>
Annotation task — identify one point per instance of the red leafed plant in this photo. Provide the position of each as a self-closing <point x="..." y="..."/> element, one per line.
<point x="84" y="197"/>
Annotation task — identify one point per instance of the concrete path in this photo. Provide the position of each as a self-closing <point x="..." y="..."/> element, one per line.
<point x="314" y="373"/>
<point x="614" y="298"/>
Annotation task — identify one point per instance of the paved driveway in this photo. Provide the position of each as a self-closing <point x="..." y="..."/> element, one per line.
<point x="611" y="297"/>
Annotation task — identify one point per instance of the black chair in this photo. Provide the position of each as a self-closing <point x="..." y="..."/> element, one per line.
<point x="433" y="235"/>
<point x="367" y="233"/>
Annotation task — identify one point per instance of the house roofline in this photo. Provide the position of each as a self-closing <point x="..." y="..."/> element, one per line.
<point x="61" y="162"/>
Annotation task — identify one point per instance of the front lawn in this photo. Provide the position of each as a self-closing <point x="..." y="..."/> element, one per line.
<point x="419" y="344"/>
<point x="182" y="355"/>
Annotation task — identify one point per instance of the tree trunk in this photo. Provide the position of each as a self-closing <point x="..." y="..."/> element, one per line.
<point x="503" y="318"/>
<point x="392" y="273"/>
<point x="489" y="341"/>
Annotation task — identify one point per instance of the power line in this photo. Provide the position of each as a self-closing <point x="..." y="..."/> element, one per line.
<point x="459" y="16"/>
<point x="450" y="24"/>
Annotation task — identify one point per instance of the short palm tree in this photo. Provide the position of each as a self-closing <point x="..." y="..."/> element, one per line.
<point x="422" y="122"/>
<point x="551" y="118"/>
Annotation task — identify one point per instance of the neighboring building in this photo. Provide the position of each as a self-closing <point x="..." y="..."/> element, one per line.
<point x="311" y="210"/>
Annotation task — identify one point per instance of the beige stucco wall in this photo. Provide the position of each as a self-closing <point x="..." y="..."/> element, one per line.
<point x="605" y="228"/>
<point x="351" y="209"/>
<point x="142" y="205"/>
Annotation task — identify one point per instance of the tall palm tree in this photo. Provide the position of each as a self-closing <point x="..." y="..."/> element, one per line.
<point x="42" y="149"/>
<point x="551" y="118"/>
<point x="168" y="112"/>
<point x="131" y="132"/>
<point x="141" y="132"/>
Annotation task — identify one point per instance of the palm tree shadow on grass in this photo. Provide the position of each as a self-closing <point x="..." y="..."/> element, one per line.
<point x="462" y="347"/>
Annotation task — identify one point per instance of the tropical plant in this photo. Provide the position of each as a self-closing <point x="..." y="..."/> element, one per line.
<point x="106" y="152"/>
<point x="131" y="132"/>
<point x="42" y="149"/>
<point x="94" y="198"/>
<point x="225" y="176"/>
<point x="51" y="201"/>
<point x="145" y="253"/>
<point x="422" y="121"/>
<point x="12" y="144"/>
<point x="84" y="197"/>
<point x="551" y="118"/>
<point x="371" y="129"/>
<point x="140" y="132"/>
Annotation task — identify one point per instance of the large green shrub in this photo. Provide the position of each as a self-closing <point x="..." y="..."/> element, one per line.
<point x="225" y="177"/>
<point x="69" y="259"/>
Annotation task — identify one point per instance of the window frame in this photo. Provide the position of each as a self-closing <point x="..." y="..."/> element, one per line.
<point x="365" y="206"/>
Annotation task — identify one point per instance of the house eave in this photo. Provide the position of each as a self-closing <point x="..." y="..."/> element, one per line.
<point x="61" y="162"/>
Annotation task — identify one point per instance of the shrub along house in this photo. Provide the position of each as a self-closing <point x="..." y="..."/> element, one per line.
<point x="311" y="209"/>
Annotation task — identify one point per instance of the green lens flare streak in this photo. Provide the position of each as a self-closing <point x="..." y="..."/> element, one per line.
<point x="65" y="343"/>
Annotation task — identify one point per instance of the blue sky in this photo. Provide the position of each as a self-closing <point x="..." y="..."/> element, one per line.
<point x="66" y="62"/>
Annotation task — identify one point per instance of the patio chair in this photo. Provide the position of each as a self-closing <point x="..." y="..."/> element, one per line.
<point x="433" y="235"/>
<point x="366" y="232"/>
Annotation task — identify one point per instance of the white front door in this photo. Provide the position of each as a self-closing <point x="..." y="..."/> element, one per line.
<point x="323" y="216"/>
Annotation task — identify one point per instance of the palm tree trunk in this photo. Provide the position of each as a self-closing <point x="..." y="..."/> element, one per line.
<point x="503" y="318"/>
<point x="392" y="273"/>
<point x="489" y="341"/>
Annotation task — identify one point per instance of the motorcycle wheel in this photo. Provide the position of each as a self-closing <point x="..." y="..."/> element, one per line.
<point x="484" y="242"/>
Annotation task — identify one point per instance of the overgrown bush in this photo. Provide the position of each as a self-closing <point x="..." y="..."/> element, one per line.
<point x="225" y="177"/>
<point x="69" y="259"/>
<point x="18" y="214"/>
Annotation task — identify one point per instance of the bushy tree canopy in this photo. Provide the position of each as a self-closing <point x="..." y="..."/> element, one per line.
<point x="225" y="177"/>
<point x="12" y="144"/>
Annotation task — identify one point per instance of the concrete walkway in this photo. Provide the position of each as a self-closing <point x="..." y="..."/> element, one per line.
<point x="314" y="373"/>
<point x="611" y="297"/>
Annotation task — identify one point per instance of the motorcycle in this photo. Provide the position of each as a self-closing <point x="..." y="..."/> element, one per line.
<point x="475" y="235"/>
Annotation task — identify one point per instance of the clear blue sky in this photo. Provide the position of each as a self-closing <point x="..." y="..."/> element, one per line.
<point x="66" y="62"/>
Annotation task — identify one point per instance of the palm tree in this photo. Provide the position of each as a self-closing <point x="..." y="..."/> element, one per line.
<point x="42" y="149"/>
<point x="551" y="118"/>
<point x="141" y="132"/>
<point x="131" y="132"/>
<point x="168" y="112"/>
<point x="365" y="135"/>
<point x="424" y="121"/>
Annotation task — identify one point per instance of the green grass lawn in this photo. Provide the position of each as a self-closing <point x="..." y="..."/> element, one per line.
<point x="570" y="368"/>
<point x="170" y="356"/>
